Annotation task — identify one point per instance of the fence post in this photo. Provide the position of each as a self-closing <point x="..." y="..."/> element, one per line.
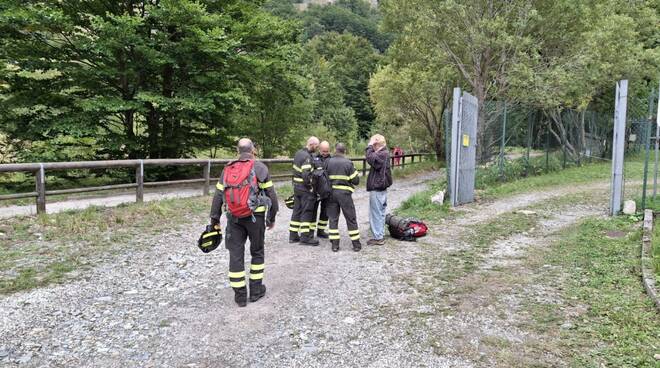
<point x="530" y="134"/>
<point x="139" y="180"/>
<point x="403" y="161"/>
<point x="207" y="178"/>
<point x="412" y="158"/>
<point x="646" y="161"/>
<point x="547" y="149"/>
<point x="648" y="149"/>
<point x="657" y="145"/>
<point x="502" y="143"/>
<point x="364" y="167"/>
<point x="41" y="189"/>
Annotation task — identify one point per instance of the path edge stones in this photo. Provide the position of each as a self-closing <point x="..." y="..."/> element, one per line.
<point x="648" y="276"/>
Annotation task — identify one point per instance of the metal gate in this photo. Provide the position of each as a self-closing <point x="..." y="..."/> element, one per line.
<point x="463" y="148"/>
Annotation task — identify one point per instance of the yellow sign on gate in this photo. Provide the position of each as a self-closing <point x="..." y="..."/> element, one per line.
<point x="466" y="140"/>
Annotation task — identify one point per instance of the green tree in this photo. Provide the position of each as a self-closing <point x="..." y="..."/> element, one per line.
<point x="480" y="39"/>
<point x="352" y="16"/>
<point x="415" y="98"/>
<point x="350" y="61"/>
<point x="561" y="52"/>
<point x="147" y="79"/>
<point x="281" y="105"/>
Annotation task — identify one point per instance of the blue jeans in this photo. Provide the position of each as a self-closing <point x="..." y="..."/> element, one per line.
<point x="377" y="208"/>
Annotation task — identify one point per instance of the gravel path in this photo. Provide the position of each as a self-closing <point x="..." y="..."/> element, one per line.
<point x="166" y="304"/>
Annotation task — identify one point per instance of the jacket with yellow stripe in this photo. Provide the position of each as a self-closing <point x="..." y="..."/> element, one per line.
<point x="265" y="183"/>
<point x="302" y="169"/>
<point x="342" y="173"/>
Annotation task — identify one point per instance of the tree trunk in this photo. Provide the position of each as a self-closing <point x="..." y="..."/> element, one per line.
<point x="153" y="149"/>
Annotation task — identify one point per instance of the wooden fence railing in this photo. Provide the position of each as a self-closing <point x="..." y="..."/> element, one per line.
<point x="39" y="170"/>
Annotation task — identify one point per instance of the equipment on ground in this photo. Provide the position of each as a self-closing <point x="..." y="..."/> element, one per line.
<point x="407" y="229"/>
<point x="210" y="239"/>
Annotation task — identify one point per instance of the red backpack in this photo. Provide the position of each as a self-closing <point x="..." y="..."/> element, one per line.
<point x="241" y="188"/>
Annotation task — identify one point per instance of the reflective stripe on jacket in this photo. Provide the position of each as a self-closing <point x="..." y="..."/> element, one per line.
<point x="342" y="173"/>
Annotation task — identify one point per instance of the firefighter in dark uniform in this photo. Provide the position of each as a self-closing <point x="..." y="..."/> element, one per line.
<point x="304" y="196"/>
<point x="321" y="226"/>
<point x="251" y="227"/>
<point x="344" y="178"/>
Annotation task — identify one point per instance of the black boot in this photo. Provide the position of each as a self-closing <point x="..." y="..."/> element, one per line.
<point x="293" y="237"/>
<point x="335" y="245"/>
<point x="307" y="239"/>
<point x="357" y="246"/>
<point x="322" y="234"/>
<point x="240" y="296"/>
<point x="257" y="291"/>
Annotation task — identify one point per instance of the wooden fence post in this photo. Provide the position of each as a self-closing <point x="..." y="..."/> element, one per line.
<point x="207" y="178"/>
<point x="412" y="157"/>
<point x="41" y="189"/>
<point x="364" y="167"/>
<point x="139" y="180"/>
<point x="403" y="161"/>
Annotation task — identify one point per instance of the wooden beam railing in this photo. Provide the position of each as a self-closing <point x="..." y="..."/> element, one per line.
<point x="39" y="170"/>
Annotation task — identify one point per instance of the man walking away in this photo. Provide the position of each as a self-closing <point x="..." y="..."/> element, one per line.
<point x="378" y="180"/>
<point x="251" y="202"/>
<point x="304" y="196"/>
<point x="321" y="225"/>
<point x="344" y="178"/>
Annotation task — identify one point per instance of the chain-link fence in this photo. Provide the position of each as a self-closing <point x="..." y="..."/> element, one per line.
<point x="516" y="141"/>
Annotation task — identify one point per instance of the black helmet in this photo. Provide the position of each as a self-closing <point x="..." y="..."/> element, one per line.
<point x="289" y="202"/>
<point x="210" y="239"/>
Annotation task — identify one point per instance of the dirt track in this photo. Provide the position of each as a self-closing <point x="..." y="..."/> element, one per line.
<point x="168" y="305"/>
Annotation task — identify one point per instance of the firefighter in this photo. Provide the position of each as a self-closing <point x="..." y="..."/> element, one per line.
<point x="304" y="196"/>
<point x="344" y="178"/>
<point x="321" y="226"/>
<point x="252" y="227"/>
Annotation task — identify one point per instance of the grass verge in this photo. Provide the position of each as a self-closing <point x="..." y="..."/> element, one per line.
<point x="37" y="251"/>
<point x="655" y="251"/>
<point x="599" y="263"/>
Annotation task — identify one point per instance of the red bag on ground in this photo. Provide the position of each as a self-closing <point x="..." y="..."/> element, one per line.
<point x="240" y="184"/>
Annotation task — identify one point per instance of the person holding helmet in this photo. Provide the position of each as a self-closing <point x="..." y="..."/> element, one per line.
<point x="247" y="193"/>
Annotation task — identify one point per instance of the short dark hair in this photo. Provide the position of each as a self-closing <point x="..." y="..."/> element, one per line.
<point x="340" y="148"/>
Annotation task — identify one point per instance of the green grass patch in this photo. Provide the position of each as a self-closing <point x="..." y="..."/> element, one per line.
<point x="620" y="326"/>
<point x="419" y="205"/>
<point x="37" y="251"/>
<point x="655" y="250"/>
<point x="493" y="187"/>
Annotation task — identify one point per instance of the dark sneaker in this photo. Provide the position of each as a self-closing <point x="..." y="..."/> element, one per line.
<point x="294" y="238"/>
<point x="335" y="246"/>
<point x="376" y="242"/>
<point x="257" y="292"/>
<point x="357" y="246"/>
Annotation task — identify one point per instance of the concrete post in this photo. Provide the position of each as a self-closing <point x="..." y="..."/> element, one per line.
<point x="620" y="108"/>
